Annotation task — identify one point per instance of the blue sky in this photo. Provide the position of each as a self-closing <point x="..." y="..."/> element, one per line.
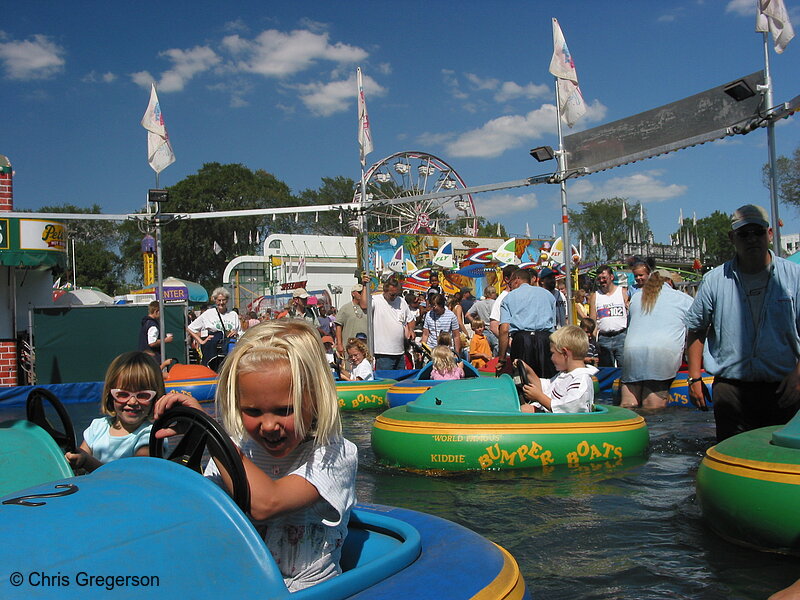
<point x="271" y="85"/>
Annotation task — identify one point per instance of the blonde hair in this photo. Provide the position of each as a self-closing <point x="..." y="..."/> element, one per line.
<point x="443" y="359"/>
<point x="284" y="344"/>
<point x="650" y="291"/>
<point x="444" y="339"/>
<point x="572" y="338"/>
<point x="360" y="345"/>
<point x="133" y="371"/>
<point x="477" y="324"/>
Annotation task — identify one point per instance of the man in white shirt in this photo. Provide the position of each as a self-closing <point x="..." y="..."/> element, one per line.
<point x="393" y="324"/>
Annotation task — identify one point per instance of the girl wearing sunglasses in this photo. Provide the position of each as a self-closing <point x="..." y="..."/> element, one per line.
<point x="132" y="385"/>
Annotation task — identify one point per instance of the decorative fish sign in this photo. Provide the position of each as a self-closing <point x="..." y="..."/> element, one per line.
<point x="479" y="255"/>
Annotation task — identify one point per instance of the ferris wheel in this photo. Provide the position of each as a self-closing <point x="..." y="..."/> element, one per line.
<point x="406" y="174"/>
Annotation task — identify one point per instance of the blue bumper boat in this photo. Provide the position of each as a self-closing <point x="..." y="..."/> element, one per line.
<point x="151" y="528"/>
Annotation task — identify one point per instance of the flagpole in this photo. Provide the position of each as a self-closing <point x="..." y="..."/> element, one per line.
<point x="365" y="262"/>
<point x="773" y="174"/>
<point x="562" y="169"/>
<point x="365" y="147"/>
<point x="160" y="278"/>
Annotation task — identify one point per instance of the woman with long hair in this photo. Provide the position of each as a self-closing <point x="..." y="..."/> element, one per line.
<point x="654" y="344"/>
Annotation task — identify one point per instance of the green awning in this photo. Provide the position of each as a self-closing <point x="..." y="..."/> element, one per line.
<point x="32" y="243"/>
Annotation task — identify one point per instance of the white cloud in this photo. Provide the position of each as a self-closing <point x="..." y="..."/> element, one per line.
<point x="642" y="187"/>
<point x="743" y="8"/>
<point x="325" y="99"/>
<point x="95" y="77"/>
<point x="186" y="64"/>
<point x="480" y="83"/>
<point x="34" y="58"/>
<point x="511" y="91"/>
<point x="451" y="81"/>
<point x="509" y="131"/>
<point x="498" y="205"/>
<point x="503" y="91"/>
<point x="276" y="54"/>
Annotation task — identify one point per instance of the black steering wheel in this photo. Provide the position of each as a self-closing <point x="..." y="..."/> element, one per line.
<point x="34" y="410"/>
<point x="200" y="433"/>
<point x="522" y="375"/>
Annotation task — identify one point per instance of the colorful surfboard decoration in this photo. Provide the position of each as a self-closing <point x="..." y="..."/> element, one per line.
<point x="444" y="256"/>
<point x="506" y="253"/>
<point x="397" y="264"/>
<point x="557" y="251"/>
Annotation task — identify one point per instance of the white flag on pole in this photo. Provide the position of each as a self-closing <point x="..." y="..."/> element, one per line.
<point x="571" y="106"/>
<point x="772" y="17"/>
<point x="159" y="149"/>
<point x="216" y="247"/>
<point x="624" y="211"/>
<point x="364" y="133"/>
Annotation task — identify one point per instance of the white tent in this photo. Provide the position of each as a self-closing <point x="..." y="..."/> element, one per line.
<point x="83" y="297"/>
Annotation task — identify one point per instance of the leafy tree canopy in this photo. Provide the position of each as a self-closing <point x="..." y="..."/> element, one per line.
<point x="334" y="190"/>
<point x="96" y="263"/>
<point x="188" y="246"/>
<point x="713" y="229"/>
<point x="788" y="172"/>
<point x="603" y="220"/>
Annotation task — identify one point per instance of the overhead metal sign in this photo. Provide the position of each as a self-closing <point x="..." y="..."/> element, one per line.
<point x="701" y="118"/>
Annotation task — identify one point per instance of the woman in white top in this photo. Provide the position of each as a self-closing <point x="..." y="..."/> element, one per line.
<point x="220" y="325"/>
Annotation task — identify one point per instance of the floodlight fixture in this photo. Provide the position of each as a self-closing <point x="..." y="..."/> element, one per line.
<point x="543" y="153"/>
<point x="739" y="90"/>
<point x="157" y="195"/>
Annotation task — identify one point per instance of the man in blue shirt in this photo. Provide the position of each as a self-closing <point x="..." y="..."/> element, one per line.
<point x="528" y="316"/>
<point x="744" y="326"/>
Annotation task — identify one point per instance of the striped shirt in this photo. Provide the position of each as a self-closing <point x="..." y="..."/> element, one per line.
<point x="570" y="391"/>
<point x="436" y="324"/>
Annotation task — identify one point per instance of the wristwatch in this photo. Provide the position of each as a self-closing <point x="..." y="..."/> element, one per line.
<point x="693" y="380"/>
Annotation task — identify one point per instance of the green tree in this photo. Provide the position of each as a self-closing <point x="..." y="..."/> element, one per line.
<point x="489" y="228"/>
<point x="603" y="220"/>
<point x="334" y="190"/>
<point x="713" y="230"/>
<point x="788" y="172"/>
<point x="188" y="245"/>
<point x="97" y="263"/>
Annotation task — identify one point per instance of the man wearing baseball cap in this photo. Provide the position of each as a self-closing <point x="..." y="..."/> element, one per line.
<point x="744" y="327"/>
<point x="351" y="319"/>
<point x="299" y="308"/>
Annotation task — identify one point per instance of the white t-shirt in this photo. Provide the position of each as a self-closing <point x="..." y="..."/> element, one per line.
<point x="570" y="392"/>
<point x="106" y="447"/>
<point x="494" y="315"/>
<point x="389" y="323"/>
<point x="363" y="371"/>
<point x="307" y="543"/>
<point x="210" y="320"/>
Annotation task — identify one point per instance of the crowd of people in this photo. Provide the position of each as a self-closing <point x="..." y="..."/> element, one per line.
<point x="277" y="400"/>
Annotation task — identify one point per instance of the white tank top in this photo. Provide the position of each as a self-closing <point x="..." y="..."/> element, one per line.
<point x="611" y="312"/>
